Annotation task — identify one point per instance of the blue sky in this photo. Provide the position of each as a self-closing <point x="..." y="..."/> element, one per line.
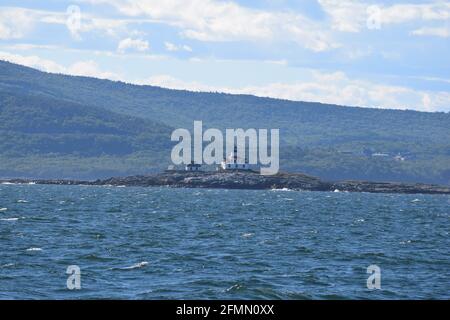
<point x="386" y="54"/>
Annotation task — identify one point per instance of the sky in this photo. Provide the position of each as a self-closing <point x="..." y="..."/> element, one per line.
<point x="383" y="54"/>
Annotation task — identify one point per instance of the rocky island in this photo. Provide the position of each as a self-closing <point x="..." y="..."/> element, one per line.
<point x="248" y="180"/>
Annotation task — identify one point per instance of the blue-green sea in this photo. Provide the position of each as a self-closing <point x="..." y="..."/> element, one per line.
<point x="165" y="243"/>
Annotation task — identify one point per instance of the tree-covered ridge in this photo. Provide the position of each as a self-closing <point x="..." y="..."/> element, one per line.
<point x="71" y="118"/>
<point x="41" y="126"/>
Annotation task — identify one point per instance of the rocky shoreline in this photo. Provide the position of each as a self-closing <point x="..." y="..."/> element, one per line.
<point x="247" y="180"/>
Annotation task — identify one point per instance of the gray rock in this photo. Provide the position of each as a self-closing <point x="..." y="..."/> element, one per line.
<point x="250" y="180"/>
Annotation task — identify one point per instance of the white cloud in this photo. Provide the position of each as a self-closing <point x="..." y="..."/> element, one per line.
<point x="87" y="68"/>
<point x="173" y="47"/>
<point x="111" y="27"/>
<point x="401" y="13"/>
<point x="209" y="20"/>
<point x="333" y="88"/>
<point x="86" y="23"/>
<point x="90" y="68"/>
<point x="437" y="32"/>
<point x="15" y="23"/>
<point x="31" y="46"/>
<point x="33" y="62"/>
<point x="134" y="44"/>
<point x="346" y="15"/>
<point x="353" y="15"/>
<point x="170" y="46"/>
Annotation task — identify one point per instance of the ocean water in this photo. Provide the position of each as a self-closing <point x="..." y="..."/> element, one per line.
<point x="163" y="243"/>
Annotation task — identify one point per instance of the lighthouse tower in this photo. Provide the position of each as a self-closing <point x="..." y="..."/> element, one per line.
<point x="234" y="163"/>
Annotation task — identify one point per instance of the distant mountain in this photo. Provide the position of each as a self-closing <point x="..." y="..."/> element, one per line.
<point x="42" y="136"/>
<point x="65" y="126"/>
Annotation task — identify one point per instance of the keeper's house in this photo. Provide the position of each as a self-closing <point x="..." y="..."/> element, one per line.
<point x="192" y="166"/>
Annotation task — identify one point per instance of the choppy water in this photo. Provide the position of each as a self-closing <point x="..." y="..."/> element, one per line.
<point x="148" y="243"/>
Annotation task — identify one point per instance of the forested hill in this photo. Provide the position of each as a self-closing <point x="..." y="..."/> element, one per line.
<point x="78" y="127"/>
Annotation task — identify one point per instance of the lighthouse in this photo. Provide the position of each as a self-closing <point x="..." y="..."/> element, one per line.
<point x="233" y="162"/>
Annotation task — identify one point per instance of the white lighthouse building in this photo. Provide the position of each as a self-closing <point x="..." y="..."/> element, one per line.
<point x="232" y="162"/>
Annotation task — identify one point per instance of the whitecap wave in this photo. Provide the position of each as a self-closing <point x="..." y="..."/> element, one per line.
<point x="22" y="201"/>
<point x="282" y="189"/>
<point x="7" y="265"/>
<point x="137" y="265"/>
<point x="34" y="249"/>
<point x="3" y="209"/>
<point x="9" y="219"/>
